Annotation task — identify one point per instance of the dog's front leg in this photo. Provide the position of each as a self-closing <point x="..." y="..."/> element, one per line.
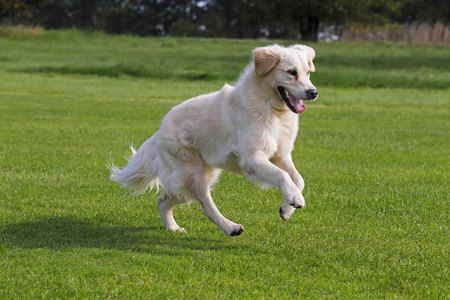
<point x="258" y="168"/>
<point x="285" y="163"/>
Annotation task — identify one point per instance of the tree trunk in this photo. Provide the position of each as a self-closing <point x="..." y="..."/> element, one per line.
<point x="309" y="28"/>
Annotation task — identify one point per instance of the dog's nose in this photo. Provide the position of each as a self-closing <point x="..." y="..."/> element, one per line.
<point x="312" y="94"/>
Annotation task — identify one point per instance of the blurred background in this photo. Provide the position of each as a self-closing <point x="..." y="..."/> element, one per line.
<point x="414" y="21"/>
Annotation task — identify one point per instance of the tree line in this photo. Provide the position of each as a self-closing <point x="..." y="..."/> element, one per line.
<point x="218" y="18"/>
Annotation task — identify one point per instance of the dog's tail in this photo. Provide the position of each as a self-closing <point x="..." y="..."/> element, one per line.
<point x="141" y="171"/>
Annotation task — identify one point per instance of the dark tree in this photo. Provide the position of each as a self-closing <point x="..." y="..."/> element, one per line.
<point x="221" y="18"/>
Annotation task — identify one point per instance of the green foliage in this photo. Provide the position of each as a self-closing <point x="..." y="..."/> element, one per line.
<point x="430" y="11"/>
<point x="373" y="150"/>
<point x="218" y="18"/>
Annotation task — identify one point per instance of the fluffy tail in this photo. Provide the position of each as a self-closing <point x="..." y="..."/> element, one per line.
<point x="141" y="171"/>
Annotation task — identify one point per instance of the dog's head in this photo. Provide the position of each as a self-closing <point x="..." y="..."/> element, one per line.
<point x="287" y="71"/>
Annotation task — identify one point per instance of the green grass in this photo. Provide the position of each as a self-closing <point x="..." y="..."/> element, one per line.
<point x="374" y="151"/>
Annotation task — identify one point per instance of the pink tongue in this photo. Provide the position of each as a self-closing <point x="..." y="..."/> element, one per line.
<point x="297" y="103"/>
<point x="300" y="107"/>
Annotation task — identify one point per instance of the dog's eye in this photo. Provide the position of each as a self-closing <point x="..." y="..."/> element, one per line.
<point x="293" y="72"/>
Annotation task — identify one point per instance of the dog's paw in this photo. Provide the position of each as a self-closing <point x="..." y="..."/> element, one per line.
<point x="286" y="211"/>
<point x="177" y="229"/>
<point x="296" y="201"/>
<point x="237" y="230"/>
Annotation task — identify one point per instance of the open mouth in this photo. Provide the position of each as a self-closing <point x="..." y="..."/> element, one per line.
<point x="295" y="105"/>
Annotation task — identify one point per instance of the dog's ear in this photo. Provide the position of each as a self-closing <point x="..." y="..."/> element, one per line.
<point x="265" y="58"/>
<point x="309" y="53"/>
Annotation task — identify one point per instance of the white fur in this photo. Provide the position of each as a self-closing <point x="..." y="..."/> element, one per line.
<point x="246" y="129"/>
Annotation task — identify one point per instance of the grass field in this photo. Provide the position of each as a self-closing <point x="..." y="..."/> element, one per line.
<point x="374" y="151"/>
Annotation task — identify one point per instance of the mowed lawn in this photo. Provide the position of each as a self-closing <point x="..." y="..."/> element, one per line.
<point x="374" y="150"/>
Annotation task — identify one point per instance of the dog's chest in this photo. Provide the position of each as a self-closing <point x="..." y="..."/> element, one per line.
<point x="279" y="137"/>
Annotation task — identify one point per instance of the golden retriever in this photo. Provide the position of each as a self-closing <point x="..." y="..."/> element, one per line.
<point x="248" y="129"/>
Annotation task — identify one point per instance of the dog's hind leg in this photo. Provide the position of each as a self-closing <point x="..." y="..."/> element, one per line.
<point x="166" y="204"/>
<point x="191" y="179"/>
<point x="210" y="210"/>
<point x="200" y="190"/>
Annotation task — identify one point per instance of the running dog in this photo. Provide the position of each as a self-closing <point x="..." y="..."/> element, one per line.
<point x="248" y="129"/>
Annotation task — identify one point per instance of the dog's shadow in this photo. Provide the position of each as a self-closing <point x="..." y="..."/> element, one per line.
<point x="68" y="232"/>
